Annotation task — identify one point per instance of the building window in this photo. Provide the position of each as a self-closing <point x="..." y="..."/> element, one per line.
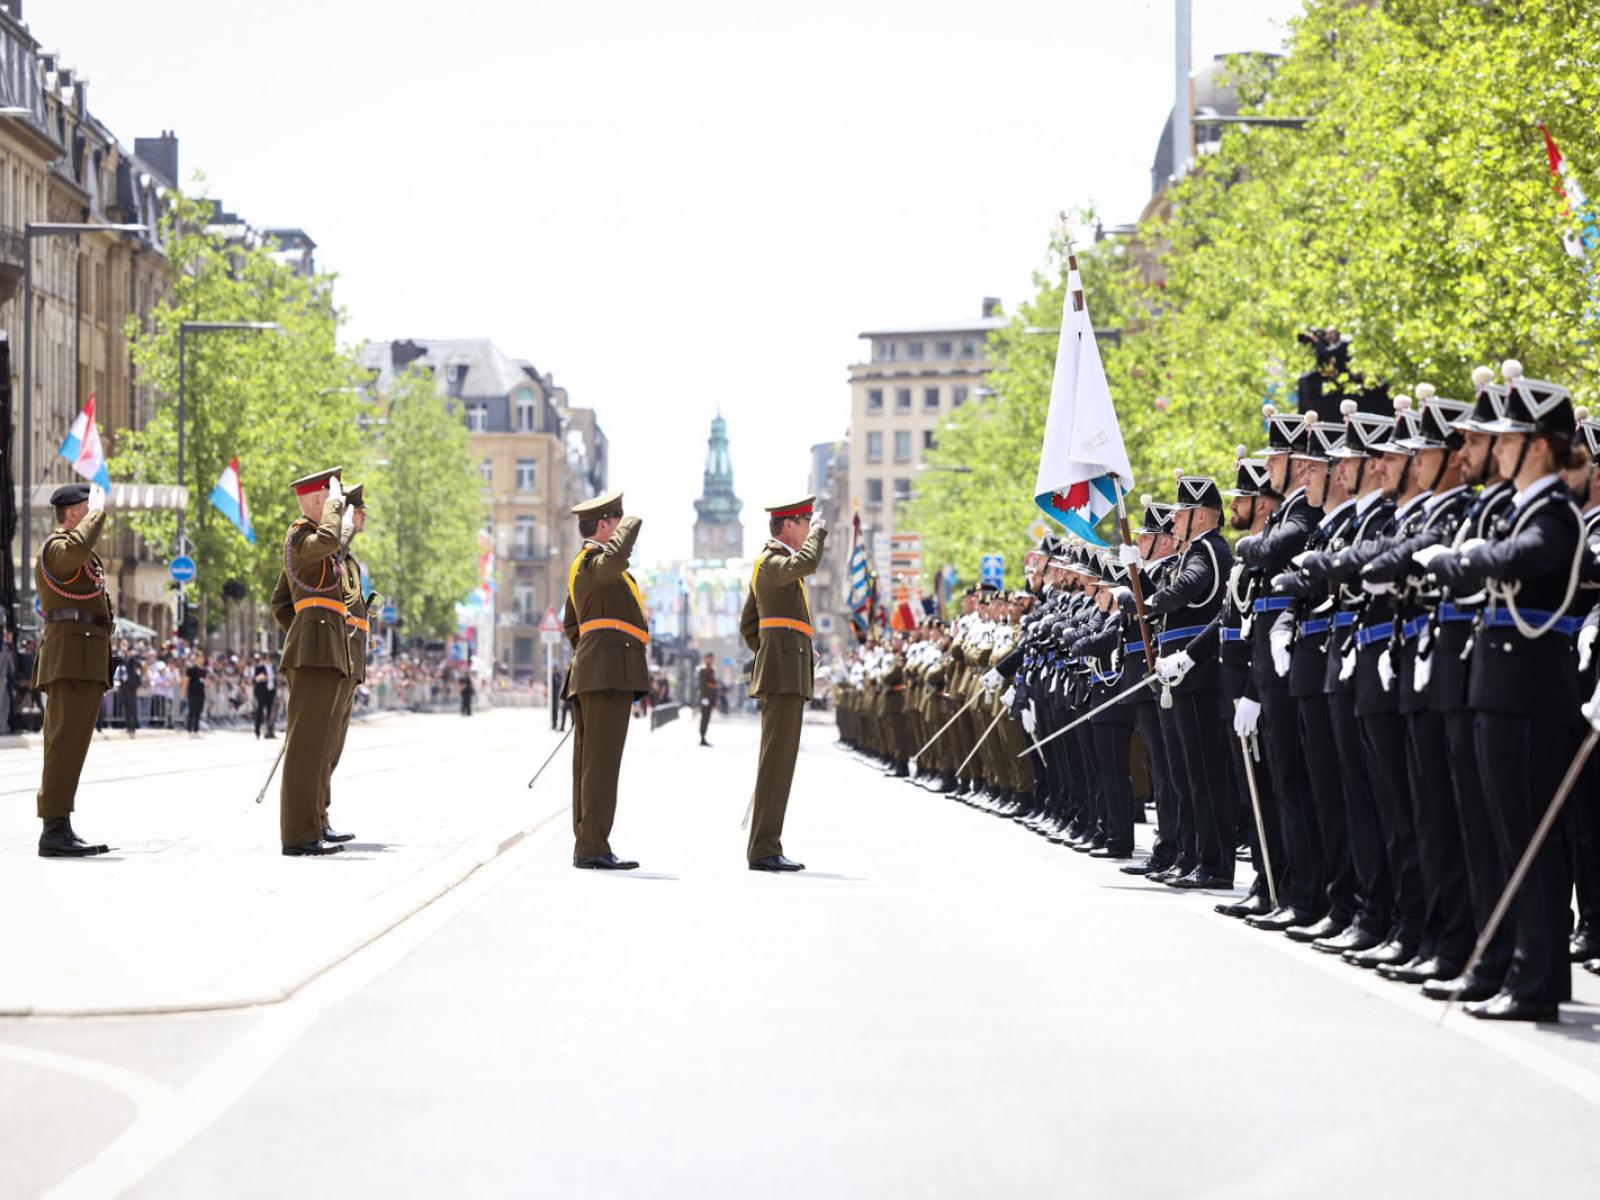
<point x="930" y="399"/>
<point x="524" y="652"/>
<point x="874" y="447"/>
<point x="527" y="538"/>
<point x="527" y="413"/>
<point x="969" y="348"/>
<point x="477" y="417"/>
<point x="526" y="603"/>
<point x="929" y="440"/>
<point x="944" y="349"/>
<point x="874" y="493"/>
<point x="914" y="351"/>
<point x="874" y="400"/>
<point x="958" y="396"/>
<point x="527" y="475"/>
<point x="902" y="490"/>
<point x="902" y="399"/>
<point x="882" y="351"/>
<point x="902" y="445"/>
<point x="731" y="536"/>
<point x="486" y="471"/>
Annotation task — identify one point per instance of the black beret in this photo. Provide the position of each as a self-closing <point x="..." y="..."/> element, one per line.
<point x="69" y="494"/>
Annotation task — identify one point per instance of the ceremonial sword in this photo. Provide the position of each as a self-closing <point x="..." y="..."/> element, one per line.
<point x="261" y="795"/>
<point x="1119" y="697"/>
<point x="945" y="726"/>
<point x="552" y="755"/>
<point x="1261" y="829"/>
<point x="984" y="738"/>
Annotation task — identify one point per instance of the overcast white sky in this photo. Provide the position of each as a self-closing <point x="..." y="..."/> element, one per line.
<point x="670" y="206"/>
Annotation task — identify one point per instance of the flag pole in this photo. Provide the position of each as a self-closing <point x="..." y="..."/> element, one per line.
<point x="1122" y="505"/>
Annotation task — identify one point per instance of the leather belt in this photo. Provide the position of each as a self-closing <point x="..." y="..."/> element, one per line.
<point x="633" y="631"/>
<point x="1500" y="618"/>
<point x="1413" y="627"/>
<point x="77" y="614"/>
<point x="1232" y="633"/>
<point x="1173" y="635"/>
<point x="787" y="623"/>
<point x="1312" y="628"/>
<point x="1344" y="620"/>
<point x="320" y="602"/>
<point x="1449" y="612"/>
<point x="1272" y="603"/>
<point x="1374" y="633"/>
<point x="360" y="623"/>
<point x="1133" y="648"/>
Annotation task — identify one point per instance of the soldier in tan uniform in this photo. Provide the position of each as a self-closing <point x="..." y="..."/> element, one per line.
<point x="73" y="669"/>
<point x="710" y="687"/>
<point x="776" y="624"/>
<point x="309" y="604"/>
<point x="606" y="623"/>
<point x="358" y="628"/>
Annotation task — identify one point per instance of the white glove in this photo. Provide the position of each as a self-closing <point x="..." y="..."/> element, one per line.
<point x="1299" y="560"/>
<point x="1278" y="640"/>
<point x="1421" y="672"/>
<point x="1011" y="694"/>
<point x="1386" y="670"/>
<point x="97" y="498"/>
<point x="992" y="680"/>
<point x="1586" y="637"/>
<point x="1376" y="587"/>
<point x="1171" y="668"/>
<point x="1591" y="710"/>
<point x="1347" y="667"/>
<point x="1029" y="721"/>
<point x="1128" y="556"/>
<point x="1428" y="555"/>
<point x="817" y="523"/>
<point x="1472" y="544"/>
<point x="1246" y="716"/>
<point x="335" y="490"/>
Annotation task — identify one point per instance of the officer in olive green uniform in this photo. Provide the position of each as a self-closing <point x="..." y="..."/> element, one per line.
<point x="776" y="624"/>
<point x="709" y="690"/>
<point x="357" y="621"/>
<point x="606" y="623"/>
<point x="73" y="669"/>
<point x="309" y="604"/>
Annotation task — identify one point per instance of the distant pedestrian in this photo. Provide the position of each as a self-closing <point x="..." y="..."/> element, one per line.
<point x="129" y="677"/>
<point x="8" y="682"/>
<point x="560" y="706"/>
<point x="467" y="692"/>
<point x="709" y="689"/>
<point x="197" y="691"/>
<point x="263" y="692"/>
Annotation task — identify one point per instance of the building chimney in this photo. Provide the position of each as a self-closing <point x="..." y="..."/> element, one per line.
<point x="991" y="306"/>
<point x="161" y="154"/>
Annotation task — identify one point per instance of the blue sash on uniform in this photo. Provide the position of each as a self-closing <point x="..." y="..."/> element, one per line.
<point x="1231" y="633"/>
<point x="1500" y="618"/>
<point x="1312" y="628"/>
<point x="1272" y="603"/>
<point x="1374" y="633"/>
<point x="1172" y="635"/>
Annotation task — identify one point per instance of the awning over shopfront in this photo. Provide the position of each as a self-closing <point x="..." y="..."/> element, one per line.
<point x="126" y="497"/>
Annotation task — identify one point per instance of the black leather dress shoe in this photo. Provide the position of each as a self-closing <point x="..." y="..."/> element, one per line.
<point x="1087" y="845"/>
<point x="1390" y="953"/>
<point x="57" y="840"/>
<point x="1461" y="989"/>
<point x="1585" y="944"/>
<point x="1256" y="904"/>
<point x="1329" y="926"/>
<point x="1176" y="871"/>
<point x="1422" y="970"/>
<point x="328" y="835"/>
<point x="776" y="862"/>
<point x="1281" y="918"/>
<point x="1354" y="940"/>
<point x="1111" y="852"/>
<point x="312" y="850"/>
<point x="604" y="862"/>
<point x="1201" y="878"/>
<point x="1147" y="867"/>
<point x="1503" y="1006"/>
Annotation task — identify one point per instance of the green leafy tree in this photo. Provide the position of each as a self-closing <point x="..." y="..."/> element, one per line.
<point x="1415" y="211"/>
<point x="283" y="402"/>
<point x="422" y="542"/>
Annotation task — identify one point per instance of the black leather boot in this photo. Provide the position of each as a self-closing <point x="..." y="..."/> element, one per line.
<point x="58" y="841"/>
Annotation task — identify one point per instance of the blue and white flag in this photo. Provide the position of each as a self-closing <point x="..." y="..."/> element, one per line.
<point x="82" y="448"/>
<point x="1083" y="466"/>
<point x="228" y="499"/>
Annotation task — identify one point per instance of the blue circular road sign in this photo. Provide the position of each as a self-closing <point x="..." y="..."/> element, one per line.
<point x="182" y="568"/>
<point x="391" y="614"/>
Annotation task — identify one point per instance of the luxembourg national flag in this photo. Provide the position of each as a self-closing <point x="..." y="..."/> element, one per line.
<point x="1083" y="465"/>
<point x="228" y="499"/>
<point x="82" y="448"/>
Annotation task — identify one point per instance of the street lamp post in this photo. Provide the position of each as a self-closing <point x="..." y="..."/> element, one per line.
<point x="185" y="328"/>
<point x="31" y="230"/>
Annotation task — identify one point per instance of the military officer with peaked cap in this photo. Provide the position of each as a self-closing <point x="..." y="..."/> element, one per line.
<point x="606" y="623"/>
<point x="309" y="604"/>
<point x="776" y="625"/>
<point x="358" y="628"/>
<point x="73" y="668"/>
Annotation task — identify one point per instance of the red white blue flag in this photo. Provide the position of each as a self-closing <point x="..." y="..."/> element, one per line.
<point x="82" y="448"/>
<point x="228" y="499"/>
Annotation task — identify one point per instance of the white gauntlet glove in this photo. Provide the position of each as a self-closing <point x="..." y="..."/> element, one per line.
<point x="1171" y="668"/>
<point x="1011" y="694"/>
<point x="1246" y="716"/>
<point x="97" y="498"/>
<point x="1586" y="637"/>
<point x="1347" y="666"/>
<point x="1386" y="670"/>
<point x="992" y="680"/>
<point x="1428" y="555"/>
<point x="1029" y="721"/>
<point x="1278" y="640"/>
<point x="1421" y="672"/>
<point x="1128" y="556"/>
<point x="335" y="491"/>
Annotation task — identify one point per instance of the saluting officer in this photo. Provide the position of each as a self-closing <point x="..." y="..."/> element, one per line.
<point x="605" y="622"/>
<point x="357" y="628"/>
<point x="73" y="668"/>
<point x="776" y="624"/>
<point x="309" y="603"/>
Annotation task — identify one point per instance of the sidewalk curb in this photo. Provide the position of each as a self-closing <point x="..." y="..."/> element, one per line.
<point x="437" y="879"/>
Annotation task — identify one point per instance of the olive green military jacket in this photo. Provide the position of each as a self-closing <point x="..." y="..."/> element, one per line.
<point x="309" y="599"/>
<point x="784" y="656"/>
<point x="76" y="580"/>
<point x="357" y="618"/>
<point x="603" y="606"/>
<point x="709" y="687"/>
<point x="894" y="689"/>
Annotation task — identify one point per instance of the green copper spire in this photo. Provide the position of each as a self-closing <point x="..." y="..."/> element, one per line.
<point x="718" y="505"/>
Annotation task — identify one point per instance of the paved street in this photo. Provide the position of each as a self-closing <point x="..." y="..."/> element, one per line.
<point x="944" y="1004"/>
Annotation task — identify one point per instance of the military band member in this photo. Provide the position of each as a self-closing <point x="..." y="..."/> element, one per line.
<point x="776" y="624"/>
<point x="309" y="604"/>
<point x="709" y="690"/>
<point x="606" y="623"/>
<point x="73" y="668"/>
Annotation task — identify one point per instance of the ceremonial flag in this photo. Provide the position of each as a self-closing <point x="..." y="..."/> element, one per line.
<point x="863" y="586"/>
<point x="1579" y="233"/>
<point x="228" y="499"/>
<point x="1083" y="466"/>
<point x="82" y="448"/>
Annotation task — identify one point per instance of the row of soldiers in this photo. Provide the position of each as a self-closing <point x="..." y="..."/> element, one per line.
<point x="1378" y="687"/>
<point x="319" y="603"/>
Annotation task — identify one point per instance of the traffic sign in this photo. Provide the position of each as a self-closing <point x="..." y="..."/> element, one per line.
<point x="550" y="626"/>
<point x="992" y="568"/>
<point x="549" y="639"/>
<point x="182" y="568"/>
<point x="390" y="614"/>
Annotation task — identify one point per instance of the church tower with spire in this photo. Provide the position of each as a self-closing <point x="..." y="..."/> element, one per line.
<point x="718" y="532"/>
